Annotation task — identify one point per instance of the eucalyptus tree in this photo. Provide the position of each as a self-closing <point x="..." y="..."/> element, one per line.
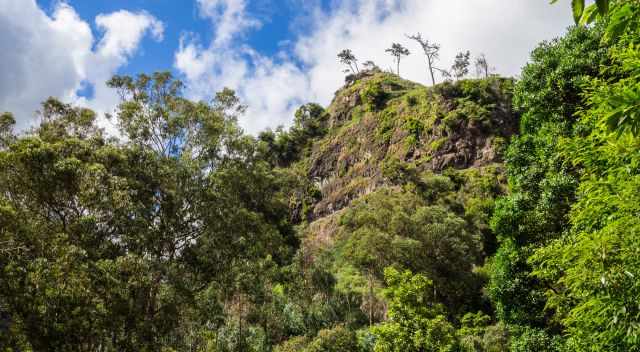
<point x="431" y="52"/>
<point x="124" y="244"/>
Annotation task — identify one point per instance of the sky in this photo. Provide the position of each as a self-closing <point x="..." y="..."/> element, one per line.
<point x="276" y="54"/>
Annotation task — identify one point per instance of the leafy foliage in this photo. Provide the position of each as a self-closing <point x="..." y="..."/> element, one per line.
<point x="461" y="64"/>
<point x="542" y="183"/>
<point x="583" y="262"/>
<point x="586" y="14"/>
<point x="110" y="244"/>
<point x="387" y="222"/>
<point x="416" y="322"/>
<point x="283" y="148"/>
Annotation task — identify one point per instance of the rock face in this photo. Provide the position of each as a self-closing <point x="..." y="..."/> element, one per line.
<point x="378" y="119"/>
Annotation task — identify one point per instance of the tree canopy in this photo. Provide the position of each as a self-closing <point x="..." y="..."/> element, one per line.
<point x="477" y="215"/>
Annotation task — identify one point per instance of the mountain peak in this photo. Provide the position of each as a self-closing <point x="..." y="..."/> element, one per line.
<point x="378" y="119"/>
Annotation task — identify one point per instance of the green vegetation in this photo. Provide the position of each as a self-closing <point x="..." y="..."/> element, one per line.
<point x="415" y="320"/>
<point x="565" y="264"/>
<point x="480" y="215"/>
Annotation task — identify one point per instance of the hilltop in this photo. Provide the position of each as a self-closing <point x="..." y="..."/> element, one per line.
<point x="379" y="121"/>
<point x="388" y="165"/>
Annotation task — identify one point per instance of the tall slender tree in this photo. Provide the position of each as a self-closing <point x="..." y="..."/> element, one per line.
<point x="398" y="51"/>
<point x="482" y="66"/>
<point x="7" y="121"/>
<point x="432" y="53"/>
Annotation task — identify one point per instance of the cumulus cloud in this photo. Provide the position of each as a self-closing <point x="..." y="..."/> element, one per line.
<point x="230" y="18"/>
<point x="123" y="31"/>
<point x="57" y="55"/>
<point x="271" y="87"/>
<point x="505" y="31"/>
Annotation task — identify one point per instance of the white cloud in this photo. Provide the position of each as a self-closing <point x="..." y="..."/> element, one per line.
<point x="46" y="56"/>
<point x="123" y="31"/>
<point x="272" y="90"/>
<point x="229" y="16"/>
<point x="506" y="31"/>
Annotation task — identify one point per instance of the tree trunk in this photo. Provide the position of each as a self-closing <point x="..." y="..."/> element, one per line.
<point x="240" y="323"/>
<point x="433" y="79"/>
<point x="370" y="299"/>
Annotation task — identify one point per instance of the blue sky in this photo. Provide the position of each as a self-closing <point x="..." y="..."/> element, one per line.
<point x="176" y="15"/>
<point x="276" y="54"/>
<point x="180" y="17"/>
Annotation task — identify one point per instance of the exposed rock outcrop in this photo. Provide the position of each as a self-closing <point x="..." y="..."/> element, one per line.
<point x="377" y="117"/>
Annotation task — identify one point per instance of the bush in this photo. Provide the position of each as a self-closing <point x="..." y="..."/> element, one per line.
<point x="294" y="344"/>
<point x="337" y="339"/>
<point x="496" y="338"/>
<point x="374" y="96"/>
<point x="534" y="340"/>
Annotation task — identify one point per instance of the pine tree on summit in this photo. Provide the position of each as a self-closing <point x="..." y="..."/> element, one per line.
<point x="346" y="57"/>
<point x="398" y="51"/>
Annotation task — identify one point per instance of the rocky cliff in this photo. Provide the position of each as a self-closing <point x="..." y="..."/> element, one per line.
<point x="379" y="122"/>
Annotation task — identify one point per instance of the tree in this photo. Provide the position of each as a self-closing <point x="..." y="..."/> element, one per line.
<point x="482" y="66"/>
<point x="460" y="67"/>
<point x="347" y="58"/>
<point x="398" y="51"/>
<point x="284" y="147"/>
<point x="122" y="245"/>
<point x="416" y="321"/>
<point x="542" y="182"/>
<point x="388" y="228"/>
<point x="592" y="269"/>
<point x="431" y="52"/>
<point x="6" y="129"/>
<point x="338" y="339"/>
<point x="619" y="101"/>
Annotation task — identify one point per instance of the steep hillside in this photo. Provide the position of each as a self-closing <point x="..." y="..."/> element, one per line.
<point x="379" y="121"/>
<point x="399" y="175"/>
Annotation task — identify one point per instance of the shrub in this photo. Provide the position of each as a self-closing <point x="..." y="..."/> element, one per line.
<point x="294" y="344"/>
<point x="534" y="340"/>
<point x="337" y="339"/>
<point x="374" y="96"/>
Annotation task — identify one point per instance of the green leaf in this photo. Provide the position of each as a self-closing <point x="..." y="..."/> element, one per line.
<point x="589" y="16"/>
<point x="578" y="9"/>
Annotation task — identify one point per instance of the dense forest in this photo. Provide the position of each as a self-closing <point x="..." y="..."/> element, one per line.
<point x="477" y="214"/>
